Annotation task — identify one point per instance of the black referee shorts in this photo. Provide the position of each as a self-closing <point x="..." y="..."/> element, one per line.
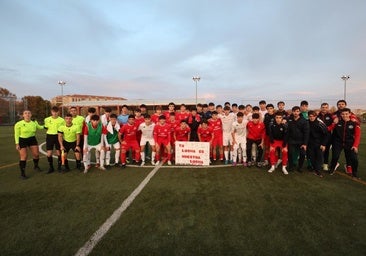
<point x="69" y="145"/>
<point x="27" y="142"/>
<point x="52" y="142"/>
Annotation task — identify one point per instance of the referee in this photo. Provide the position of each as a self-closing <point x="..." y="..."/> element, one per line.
<point x="69" y="138"/>
<point x="24" y="134"/>
<point x="52" y="123"/>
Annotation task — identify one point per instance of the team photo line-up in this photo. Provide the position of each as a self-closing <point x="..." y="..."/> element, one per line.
<point x="262" y="135"/>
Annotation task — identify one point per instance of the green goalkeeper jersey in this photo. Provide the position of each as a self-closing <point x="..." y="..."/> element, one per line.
<point x="94" y="134"/>
<point x="112" y="138"/>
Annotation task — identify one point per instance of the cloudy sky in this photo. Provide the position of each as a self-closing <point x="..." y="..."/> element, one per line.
<point x="243" y="50"/>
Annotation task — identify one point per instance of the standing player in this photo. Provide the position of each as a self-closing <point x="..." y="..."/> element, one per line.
<point x="239" y="139"/>
<point x="298" y="137"/>
<point x="281" y="109"/>
<point x="173" y="124"/>
<point x="123" y="117"/>
<point x="156" y="115"/>
<point x="346" y="136"/>
<point x="318" y="138"/>
<point x="171" y="109"/>
<point x="105" y="117"/>
<point x="69" y="138"/>
<point x="304" y="108"/>
<point x="342" y="104"/>
<point x="262" y="108"/>
<point x="112" y="141"/>
<point x="162" y="139"/>
<point x="147" y="138"/>
<point x="327" y="119"/>
<point x="248" y="112"/>
<point x="128" y="138"/>
<point x="139" y="119"/>
<point x="183" y="114"/>
<point x="278" y="139"/>
<point x="269" y="119"/>
<point x="227" y="120"/>
<point x="217" y="142"/>
<point x="94" y="138"/>
<point x="52" y="123"/>
<point x="194" y="121"/>
<point x="143" y="109"/>
<point x="79" y="121"/>
<point x="91" y="111"/>
<point x="25" y="137"/>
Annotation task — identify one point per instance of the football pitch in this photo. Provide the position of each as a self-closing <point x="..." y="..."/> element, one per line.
<point x="181" y="211"/>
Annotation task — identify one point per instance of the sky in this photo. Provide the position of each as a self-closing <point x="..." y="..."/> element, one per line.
<point x="243" y="50"/>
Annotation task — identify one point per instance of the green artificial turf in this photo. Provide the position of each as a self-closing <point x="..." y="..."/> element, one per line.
<point x="209" y="211"/>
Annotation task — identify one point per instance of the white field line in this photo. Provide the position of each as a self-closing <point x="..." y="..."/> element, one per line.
<point x="103" y="229"/>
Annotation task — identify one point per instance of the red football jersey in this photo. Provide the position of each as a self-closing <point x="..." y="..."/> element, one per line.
<point x="167" y="114"/>
<point x="255" y="131"/>
<point x="128" y="132"/>
<point x="162" y="131"/>
<point x="155" y="118"/>
<point x="182" y="134"/>
<point x="216" y="126"/>
<point x="205" y="134"/>
<point x="182" y="115"/>
<point x="139" y="121"/>
<point x="173" y="125"/>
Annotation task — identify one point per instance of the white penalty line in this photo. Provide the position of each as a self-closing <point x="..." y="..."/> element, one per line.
<point x="103" y="229"/>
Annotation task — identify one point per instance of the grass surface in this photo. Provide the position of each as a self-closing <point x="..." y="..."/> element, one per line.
<point x="210" y="211"/>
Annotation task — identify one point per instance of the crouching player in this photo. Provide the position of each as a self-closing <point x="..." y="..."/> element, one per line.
<point x="205" y="134"/>
<point x="162" y="139"/>
<point x="239" y="139"/>
<point x="182" y="132"/>
<point x="112" y="141"/>
<point x="147" y="137"/>
<point x="127" y="136"/>
<point x="278" y="139"/>
<point x="94" y="137"/>
<point x="69" y="138"/>
<point x="256" y="132"/>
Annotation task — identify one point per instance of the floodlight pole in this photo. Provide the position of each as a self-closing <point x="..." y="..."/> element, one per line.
<point x="196" y="79"/>
<point x="62" y="84"/>
<point x="345" y="78"/>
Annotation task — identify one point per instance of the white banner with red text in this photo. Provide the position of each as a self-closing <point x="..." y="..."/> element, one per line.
<point x="192" y="153"/>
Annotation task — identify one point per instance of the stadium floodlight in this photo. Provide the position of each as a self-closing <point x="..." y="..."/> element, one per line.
<point x="196" y="79"/>
<point x="345" y="78"/>
<point x="62" y="84"/>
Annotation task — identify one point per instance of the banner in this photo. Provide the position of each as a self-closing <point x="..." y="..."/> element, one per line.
<point x="192" y="153"/>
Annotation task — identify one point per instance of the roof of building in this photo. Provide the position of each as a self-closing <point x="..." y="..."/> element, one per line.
<point x="136" y="102"/>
